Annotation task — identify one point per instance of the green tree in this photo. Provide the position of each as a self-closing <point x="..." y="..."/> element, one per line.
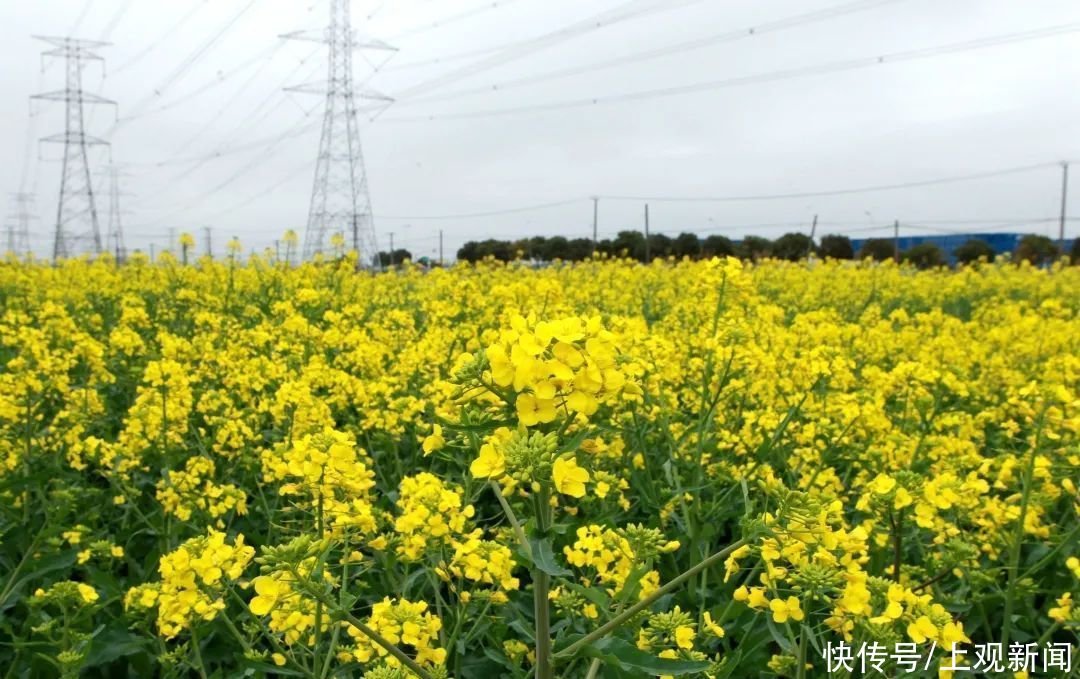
<point x="972" y="250"/>
<point x="469" y="252"/>
<point x="924" y="255"/>
<point x="395" y="258"/>
<point x="877" y="249"/>
<point x="755" y="248"/>
<point x="579" y="249"/>
<point x="1037" y="249"/>
<point x="659" y="245"/>
<point x="686" y="245"/>
<point x="836" y="247"/>
<point x="629" y="244"/>
<point x="792" y="246"/>
<point x="718" y="246"/>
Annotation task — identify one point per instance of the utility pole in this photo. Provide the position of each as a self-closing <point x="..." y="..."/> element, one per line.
<point x="77" y="228"/>
<point x="813" y="230"/>
<point x="209" y="244"/>
<point x="277" y="250"/>
<point x="440" y="248"/>
<point x="17" y="228"/>
<point x="896" y="241"/>
<point x="595" y="220"/>
<point x="647" y="259"/>
<point x="391" y="249"/>
<point x="151" y="253"/>
<point x="1064" y="204"/>
<point x="340" y="201"/>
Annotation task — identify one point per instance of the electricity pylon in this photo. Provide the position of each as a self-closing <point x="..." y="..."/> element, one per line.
<point x="114" y="241"/>
<point x="77" y="230"/>
<point x="340" y="202"/>
<point x="17" y="226"/>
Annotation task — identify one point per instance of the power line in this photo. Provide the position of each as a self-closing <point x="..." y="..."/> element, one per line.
<point x="162" y="39"/>
<point x="297" y="171"/>
<point x="185" y="65"/>
<point x="446" y="21"/>
<point x="514" y="51"/>
<point x="266" y="56"/>
<point x="794" y="21"/>
<point x="490" y="213"/>
<point x="82" y="17"/>
<point x="840" y="192"/>
<point x="268" y="150"/>
<point x="230" y="101"/>
<point x="600" y="21"/>
<point x="756" y="197"/>
<point x="250" y="121"/>
<point x="845" y="65"/>
<point x="117" y="17"/>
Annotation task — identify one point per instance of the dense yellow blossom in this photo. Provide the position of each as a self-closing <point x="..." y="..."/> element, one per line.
<point x="192" y="578"/>
<point x="886" y="455"/>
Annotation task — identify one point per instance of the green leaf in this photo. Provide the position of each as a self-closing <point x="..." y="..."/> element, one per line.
<point x="544" y="558"/>
<point x="112" y="643"/>
<point x="42" y="567"/>
<point x="621" y="653"/>
<point x="594" y="594"/>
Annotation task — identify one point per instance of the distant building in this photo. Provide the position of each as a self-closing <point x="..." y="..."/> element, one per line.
<point x="1001" y="242"/>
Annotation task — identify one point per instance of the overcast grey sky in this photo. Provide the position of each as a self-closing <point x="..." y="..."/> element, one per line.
<point x="473" y="132"/>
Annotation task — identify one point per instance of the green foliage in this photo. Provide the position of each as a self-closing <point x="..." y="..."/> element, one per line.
<point x="924" y="256"/>
<point x="793" y="247"/>
<point x="877" y="249"/>
<point x="754" y="248"/>
<point x="1037" y="250"/>
<point x="973" y="250"/>
<point x="836" y="247"/>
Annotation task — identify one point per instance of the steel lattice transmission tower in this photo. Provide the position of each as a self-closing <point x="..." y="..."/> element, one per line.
<point x="17" y="226"/>
<point x="340" y="202"/>
<point x="77" y="230"/>
<point x="114" y="241"/>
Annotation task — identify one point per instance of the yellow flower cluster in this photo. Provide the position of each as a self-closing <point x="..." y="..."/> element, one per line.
<point x="611" y="556"/>
<point x="192" y="489"/>
<point x="66" y="594"/>
<point x="331" y="474"/>
<point x="482" y="562"/>
<point x="401" y="622"/>
<point x="563" y="366"/>
<point x="291" y="614"/>
<point x="431" y="515"/>
<point x="192" y="578"/>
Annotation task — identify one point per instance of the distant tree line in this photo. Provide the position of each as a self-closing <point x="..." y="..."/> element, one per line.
<point x="791" y="246"/>
<point x="394" y="258"/>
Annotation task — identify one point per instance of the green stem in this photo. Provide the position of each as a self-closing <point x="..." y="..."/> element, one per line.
<point x="198" y="653"/>
<point x="541" y="587"/>
<point x="235" y="632"/>
<point x="512" y="518"/>
<point x="800" y="673"/>
<point x="18" y="567"/>
<point x="316" y="658"/>
<point x="594" y="669"/>
<point x="1014" y="557"/>
<point x="897" y="522"/>
<point x="623" y="617"/>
